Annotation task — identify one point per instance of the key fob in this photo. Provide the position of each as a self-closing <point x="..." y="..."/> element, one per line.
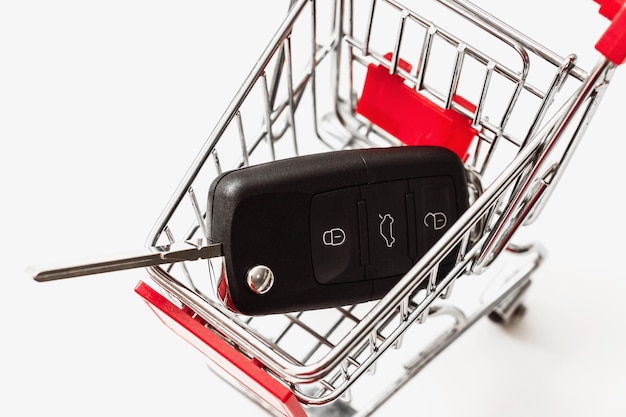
<point x="331" y="229"/>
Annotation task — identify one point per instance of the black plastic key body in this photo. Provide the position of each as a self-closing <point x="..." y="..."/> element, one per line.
<point x="334" y="228"/>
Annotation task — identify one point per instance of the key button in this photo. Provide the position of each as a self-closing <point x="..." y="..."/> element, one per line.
<point x="387" y="229"/>
<point x="335" y="237"/>
<point x="435" y="209"/>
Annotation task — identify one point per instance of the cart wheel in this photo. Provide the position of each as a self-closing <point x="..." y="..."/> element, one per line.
<point x="497" y="316"/>
<point x="512" y="309"/>
<point x="335" y="409"/>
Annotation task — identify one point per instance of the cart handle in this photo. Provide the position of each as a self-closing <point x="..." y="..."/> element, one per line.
<point x="612" y="44"/>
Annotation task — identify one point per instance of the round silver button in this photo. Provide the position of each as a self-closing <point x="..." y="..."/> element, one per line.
<point x="260" y="279"/>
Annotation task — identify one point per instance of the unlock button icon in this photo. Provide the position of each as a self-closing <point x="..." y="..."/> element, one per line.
<point x="436" y="221"/>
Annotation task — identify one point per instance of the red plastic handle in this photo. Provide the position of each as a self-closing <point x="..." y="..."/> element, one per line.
<point x="410" y="116"/>
<point x="245" y="371"/>
<point x="612" y="44"/>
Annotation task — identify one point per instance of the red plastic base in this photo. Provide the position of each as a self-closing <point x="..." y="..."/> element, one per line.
<point x="245" y="371"/>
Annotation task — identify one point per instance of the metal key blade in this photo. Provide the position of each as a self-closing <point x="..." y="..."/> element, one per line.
<point x="150" y="256"/>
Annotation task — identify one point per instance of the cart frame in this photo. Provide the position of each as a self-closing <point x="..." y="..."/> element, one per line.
<point x="529" y="107"/>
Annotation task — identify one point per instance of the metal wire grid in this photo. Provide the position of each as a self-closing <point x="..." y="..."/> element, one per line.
<point x="286" y="108"/>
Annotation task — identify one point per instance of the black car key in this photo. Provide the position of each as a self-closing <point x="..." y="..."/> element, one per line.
<point x="331" y="229"/>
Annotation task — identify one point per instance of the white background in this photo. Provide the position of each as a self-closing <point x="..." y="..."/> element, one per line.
<point x="103" y="105"/>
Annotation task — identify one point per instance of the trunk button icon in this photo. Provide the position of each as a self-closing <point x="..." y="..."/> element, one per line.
<point x="386" y="229"/>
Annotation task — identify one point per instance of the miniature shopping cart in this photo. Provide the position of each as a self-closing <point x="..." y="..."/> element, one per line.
<point x="331" y="79"/>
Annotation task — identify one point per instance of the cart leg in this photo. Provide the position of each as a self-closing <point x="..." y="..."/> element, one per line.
<point x="512" y="308"/>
